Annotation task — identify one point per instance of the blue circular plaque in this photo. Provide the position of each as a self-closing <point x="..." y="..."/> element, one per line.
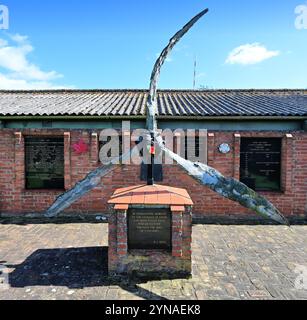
<point x="224" y="148"/>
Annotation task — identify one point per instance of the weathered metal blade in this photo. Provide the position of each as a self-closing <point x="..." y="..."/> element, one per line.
<point x="226" y="187"/>
<point x="95" y="177"/>
<point x="92" y="180"/>
<point x="152" y="98"/>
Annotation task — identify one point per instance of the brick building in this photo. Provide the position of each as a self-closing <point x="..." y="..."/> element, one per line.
<point x="258" y="136"/>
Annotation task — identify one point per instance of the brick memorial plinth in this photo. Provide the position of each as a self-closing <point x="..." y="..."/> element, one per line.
<point x="150" y="232"/>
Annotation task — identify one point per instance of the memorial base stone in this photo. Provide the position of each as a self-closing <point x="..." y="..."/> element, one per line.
<point x="150" y="232"/>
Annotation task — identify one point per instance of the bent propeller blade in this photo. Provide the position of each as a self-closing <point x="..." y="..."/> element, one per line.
<point x="207" y="176"/>
<point x="92" y="180"/>
<point x="152" y="98"/>
<point x="226" y="187"/>
<point x="229" y="188"/>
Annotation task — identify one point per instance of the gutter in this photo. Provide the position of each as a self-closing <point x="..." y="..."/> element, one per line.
<point x="161" y="118"/>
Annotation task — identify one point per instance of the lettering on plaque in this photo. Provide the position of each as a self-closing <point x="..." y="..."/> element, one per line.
<point x="149" y="229"/>
<point x="261" y="163"/>
<point x="44" y="162"/>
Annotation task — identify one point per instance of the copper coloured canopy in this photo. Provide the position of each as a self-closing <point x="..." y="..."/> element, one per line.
<point x="150" y="195"/>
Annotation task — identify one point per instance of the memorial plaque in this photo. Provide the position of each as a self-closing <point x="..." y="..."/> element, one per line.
<point x="149" y="229"/>
<point x="261" y="163"/>
<point x="44" y="161"/>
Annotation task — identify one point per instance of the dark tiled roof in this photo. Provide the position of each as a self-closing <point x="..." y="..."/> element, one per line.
<point x="171" y="103"/>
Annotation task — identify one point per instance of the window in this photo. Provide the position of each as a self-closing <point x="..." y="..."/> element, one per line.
<point x="193" y="142"/>
<point x="187" y="145"/>
<point x="44" y="162"/>
<point x="261" y="163"/>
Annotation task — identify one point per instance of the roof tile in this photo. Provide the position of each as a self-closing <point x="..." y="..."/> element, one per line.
<point x="171" y="103"/>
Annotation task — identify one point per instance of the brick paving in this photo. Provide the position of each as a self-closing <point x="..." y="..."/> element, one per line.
<point x="69" y="261"/>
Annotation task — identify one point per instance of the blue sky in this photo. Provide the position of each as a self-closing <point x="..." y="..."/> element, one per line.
<point x="113" y="44"/>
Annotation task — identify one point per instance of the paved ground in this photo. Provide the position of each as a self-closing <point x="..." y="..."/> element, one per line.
<point x="230" y="262"/>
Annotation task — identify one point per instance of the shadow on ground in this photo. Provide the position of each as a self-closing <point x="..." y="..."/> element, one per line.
<point x="74" y="268"/>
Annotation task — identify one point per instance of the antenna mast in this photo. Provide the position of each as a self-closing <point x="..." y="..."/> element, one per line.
<point x="195" y="72"/>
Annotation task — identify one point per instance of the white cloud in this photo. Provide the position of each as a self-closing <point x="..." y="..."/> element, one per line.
<point x="16" y="69"/>
<point x="250" y="54"/>
<point x="19" y="38"/>
<point x="3" y="43"/>
<point x="7" y="83"/>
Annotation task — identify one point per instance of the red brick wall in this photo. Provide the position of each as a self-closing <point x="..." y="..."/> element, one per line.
<point x="123" y="261"/>
<point x="15" y="199"/>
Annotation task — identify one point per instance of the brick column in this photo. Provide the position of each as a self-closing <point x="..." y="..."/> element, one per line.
<point x="211" y="148"/>
<point x="67" y="160"/>
<point x="19" y="167"/>
<point x="187" y="238"/>
<point x="179" y="145"/>
<point x="177" y="230"/>
<point x="190" y="144"/>
<point x="94" y="148"/>
<point x="122" y="234"/>
<point x="287" y="163"/>
<point x="237" y="156"/>
<point x="19" y="161"/>
<point x="155" y="260"/>
<point x="112" y="252"/>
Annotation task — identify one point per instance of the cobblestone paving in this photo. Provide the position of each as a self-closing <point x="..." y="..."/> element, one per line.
<point x="69" y="261"/>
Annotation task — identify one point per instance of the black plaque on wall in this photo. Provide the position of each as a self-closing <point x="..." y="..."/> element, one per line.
<point x="261" y="163"/>
<point x="44" y="162"/>
<point x="149" y="229"/>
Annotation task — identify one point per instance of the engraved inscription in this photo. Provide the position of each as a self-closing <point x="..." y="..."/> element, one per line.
<point x="261" y="163"/>
<point x="149" y="229"/>
<point x="44" y="162"/>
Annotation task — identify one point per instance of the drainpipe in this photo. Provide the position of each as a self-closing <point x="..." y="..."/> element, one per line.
<point x="305" y="126"/>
